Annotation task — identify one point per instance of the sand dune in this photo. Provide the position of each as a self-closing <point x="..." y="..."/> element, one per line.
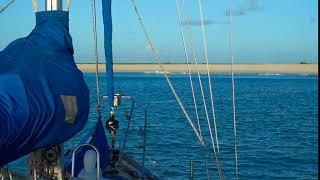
<point x="214" y="68"/>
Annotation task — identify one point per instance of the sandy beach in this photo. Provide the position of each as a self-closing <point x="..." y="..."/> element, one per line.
<point x="214" y="68"/>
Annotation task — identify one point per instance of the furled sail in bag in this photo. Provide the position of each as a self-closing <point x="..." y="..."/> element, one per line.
<point x="107" y="23"/>
<point x="44" y="100"/>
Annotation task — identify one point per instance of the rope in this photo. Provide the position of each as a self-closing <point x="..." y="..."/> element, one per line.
<point x="233" y="93"/>
<point x="188" y="65"/>
<point x="198" y="72"/>
<point x="209" y="79"/>
<point x="195" y="59"/>
<point x="35" y="5"/>
<point x="95" y="39"/>
<point x="191" y="84"/>
<point x="315" y="61"/>
<point x="157" y="58"/>
<point x="313" y="28"/>
<point x="68" y="5"/>
<point x="6" y="6"/>
<point x="124" y="141"/>
<point x="37" y="163"/>
<point x="211" y="95"/>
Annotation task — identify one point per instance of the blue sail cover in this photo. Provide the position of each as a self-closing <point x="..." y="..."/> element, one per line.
<point x="107" y="21"/>
<point x="44" y="100"/>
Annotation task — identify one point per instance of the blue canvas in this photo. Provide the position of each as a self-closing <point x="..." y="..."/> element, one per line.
<point x="107" y="22"/>
<point x="35" y="72"/>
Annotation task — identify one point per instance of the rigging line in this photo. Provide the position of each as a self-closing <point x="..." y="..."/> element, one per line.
<point x="315" y="60"/>
<point x="157" y="58"/>
<point x="95" y="39"/>
<point x="188" y="65"/>
<point x="208" y="73"/>
<point x="313" y="28"/>
<point x="197" y="65"/>
<point x="128" y="127"/>
<point x="35" y="5"/>
<point x="191" y="83"/>
<point x="196" y="60"/>
<point x="6" y="6"/>
<point x="233" y="92"/>
<point x="211" y="95"/>
<point x="68" y="5"/>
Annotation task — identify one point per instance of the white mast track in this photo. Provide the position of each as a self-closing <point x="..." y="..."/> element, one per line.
<point x="53" y="5"/>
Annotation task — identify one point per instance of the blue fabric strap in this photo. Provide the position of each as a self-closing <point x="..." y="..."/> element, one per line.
<point x="107" y="21"/>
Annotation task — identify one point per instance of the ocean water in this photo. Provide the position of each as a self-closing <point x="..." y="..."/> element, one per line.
<point x="277" y="125"/>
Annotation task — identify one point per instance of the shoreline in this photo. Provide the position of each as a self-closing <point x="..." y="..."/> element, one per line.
<point x="311" y="69"/>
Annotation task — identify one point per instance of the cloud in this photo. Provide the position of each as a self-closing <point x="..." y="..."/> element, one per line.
<point x="246" y="7"/>
<point x="205" y="22"/>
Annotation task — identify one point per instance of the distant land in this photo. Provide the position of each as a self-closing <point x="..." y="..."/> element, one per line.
<point x="311" y="69"/>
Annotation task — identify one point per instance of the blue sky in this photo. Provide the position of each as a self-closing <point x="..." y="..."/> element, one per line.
<point x="265" y="31"/>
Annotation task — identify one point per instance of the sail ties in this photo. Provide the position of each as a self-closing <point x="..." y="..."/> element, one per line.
<point x="158" y="60"/>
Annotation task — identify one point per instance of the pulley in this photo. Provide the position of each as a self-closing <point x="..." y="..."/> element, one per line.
<point x="112" y="125"/>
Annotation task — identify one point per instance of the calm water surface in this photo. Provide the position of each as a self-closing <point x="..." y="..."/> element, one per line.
<point x="277" y="125"/>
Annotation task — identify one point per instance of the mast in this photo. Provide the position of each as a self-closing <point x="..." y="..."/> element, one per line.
<point x="53" y="5"/>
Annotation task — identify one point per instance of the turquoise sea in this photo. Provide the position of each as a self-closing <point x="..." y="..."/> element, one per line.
<point x="277" y="124"/>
